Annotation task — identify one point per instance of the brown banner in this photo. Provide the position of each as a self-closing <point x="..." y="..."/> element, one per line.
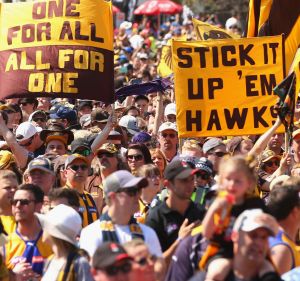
<point x="57" y="71"/>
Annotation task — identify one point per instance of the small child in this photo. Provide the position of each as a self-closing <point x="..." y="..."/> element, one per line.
<point x="236" y="182"/>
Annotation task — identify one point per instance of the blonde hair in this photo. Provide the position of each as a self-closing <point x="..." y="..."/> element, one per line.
<point x="157" y="151"/>
<point x="246" y="165"/>
<point x="191" y="145"/>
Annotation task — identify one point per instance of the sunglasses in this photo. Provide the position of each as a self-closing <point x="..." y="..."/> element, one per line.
<point x="146" y="260"/>
<point x="271" y="163"/>
<point x="165" y="135"/>
<point x="218" y="154"/>
<point x="106" y="154"/>
<point x="39" y="119"/>
<point x="137" y="157"/>
<point x="203" y="176"/>
<point x="23" y="202"/>
<point x="75" y="168"/>
<point x="85" y="152"/>
<point x="27" y="143"/>
<point x="131" y="192"/>
<point x="114" y="270"/>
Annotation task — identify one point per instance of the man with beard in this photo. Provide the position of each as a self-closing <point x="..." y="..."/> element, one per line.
<point x="168" y="140"/>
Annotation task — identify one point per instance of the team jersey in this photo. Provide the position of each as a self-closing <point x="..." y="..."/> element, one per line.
<point x="8" y="223"/>
<point x="33" y="251"/>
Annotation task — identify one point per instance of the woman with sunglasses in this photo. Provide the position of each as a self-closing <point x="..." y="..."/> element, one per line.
<point x="137" y="155"/>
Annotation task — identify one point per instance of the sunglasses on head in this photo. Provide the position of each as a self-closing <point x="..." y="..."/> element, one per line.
<point x="75" y="168"/>
<point x="137" y="157"/>
<point x="85" y="152"/>
<point x="272" y="162"/>
<point x="23" y="202"/>
<point x="172" y="136"/>
<point x="113" y="270"/>
<point x="106" y="154"/>
<point x="131" y="192"/>
<point x="203" y="176"/>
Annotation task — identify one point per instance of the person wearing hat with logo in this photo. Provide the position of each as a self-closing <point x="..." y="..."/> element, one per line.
<point x="40" y="173"/>
<point x="129" y="125"/>
<point x="250" y="235"/>
<point x="111" y="263"/>
<point x="25" y="251"/>
<point x="177" y="215"/>
<point x="61" y="227"/>
<point x="168" y="140"/>
<point x="56" y="138"/>
<point x="76" y="173"/>
<point x="122" y="191"/>
<point x="64" y="116"/>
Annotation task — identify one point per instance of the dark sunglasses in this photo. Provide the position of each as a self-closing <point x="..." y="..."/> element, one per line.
<point x="203" y="176"/>
<point x="219" y="154"/>
<point x="145" y="260"/>
<point x="23" y="202"/>
<point x="271" y="163"/>
<point x="37" y="119"/>
<point x="75" y="168"/>
<point x="106" y="154"/>
<point x="137" y="157"/>
<point x="172" y="136"/>
<point x="114" y="270"/>
<point x="131" y="192"/>
<point x="85" y="152"/>
<point x="27" y="143"/>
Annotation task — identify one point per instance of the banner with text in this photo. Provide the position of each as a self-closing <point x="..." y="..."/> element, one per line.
<point x="224" y="87"/>
<point x="57" y="48"/>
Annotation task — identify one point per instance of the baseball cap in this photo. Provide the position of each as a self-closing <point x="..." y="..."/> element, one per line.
<point x="108" y="147"/>
<point x="80" y="142"/>
<point x="123" y="180"/>
<point x="108" y="254"/>
<point x="25" y="131"/>
<point x="253" y="219"/>
<point x="141" y="137"/>
<point x="71" y="158"/>
<point x="170" y="109"/>
<point x="85" y="120"/>
<point x="268" y="154"/>
<point x="64" y="112"/>
<point x="178" y="169"/>
<point x="167" y="126"/>
<point x="99" y="115"/>
<point x="38" y="112"/>
<point x="203" y="164"/>
<point x="62" y="222"/>
<point x="84" y="103"/>
<point x="130" y="123"/>
<point x="211" y="143"/>
<point x="39" y="163"/>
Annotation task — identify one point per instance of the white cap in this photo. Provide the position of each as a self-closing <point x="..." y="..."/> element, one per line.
<point x="130" y="123"/>
<point x="253" y="219"/>
<point x="25" y="131"/>
<point x="167" y="126"/>
<point x="170" y="109"/>
<point x="231" y="22"/>
<point x="62" y="222"/>
<point x="142" y="56"/>
<point x="126" y="25"/>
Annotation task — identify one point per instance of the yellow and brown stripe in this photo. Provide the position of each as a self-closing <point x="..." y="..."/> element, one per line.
<point x="88" y="209"/>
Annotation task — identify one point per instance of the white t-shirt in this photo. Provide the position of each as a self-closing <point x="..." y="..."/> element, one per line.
<point x="91" y="237"/>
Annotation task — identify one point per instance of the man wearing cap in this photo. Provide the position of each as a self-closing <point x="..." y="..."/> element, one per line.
<point x="39" y="117"/>
<point x="111" y="263"/>
<point x="122" y="191"/>
<point x="25" y="252"/>
<point x="129" y="123"/>
<point x="168" y="140"/>
<point x="250" y="236"/>
<point x="170" y="112"/>
<point x="284" y="205"/>
<point x="64" y="116"/>
<point x="84" y="107"/>
<point x="214" y="149"/>
<point x="99" y="118"/>
<point x="25" y="145"/>
<point x="176" y="216"/>
<point x="76" y="173"/>
<point x="40" y="173"/>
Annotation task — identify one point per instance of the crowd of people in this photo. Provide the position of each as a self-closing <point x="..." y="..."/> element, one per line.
<point x="90" y="191"/>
